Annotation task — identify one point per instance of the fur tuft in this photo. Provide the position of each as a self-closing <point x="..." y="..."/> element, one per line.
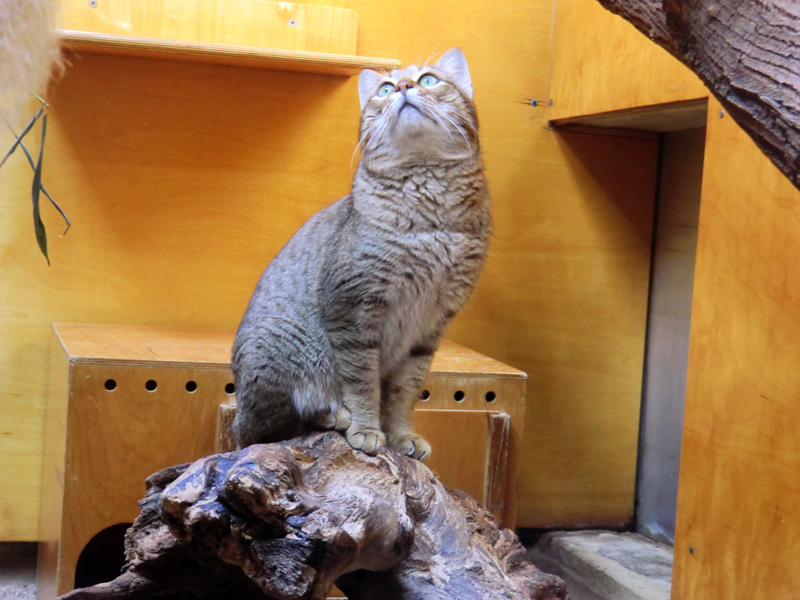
<point x="29" y="53"/>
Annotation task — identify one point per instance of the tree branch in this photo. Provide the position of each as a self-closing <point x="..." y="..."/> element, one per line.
<point x="746" y="52"/>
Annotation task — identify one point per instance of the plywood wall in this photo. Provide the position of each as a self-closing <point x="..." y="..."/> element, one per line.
<point x="738" y="517"/>
<point x="739" y="494"/>
<point x="183" y="180"/>
<point x="601" y="63"/>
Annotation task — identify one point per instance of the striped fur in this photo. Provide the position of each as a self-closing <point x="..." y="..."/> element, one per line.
<point x="344" y="322"/>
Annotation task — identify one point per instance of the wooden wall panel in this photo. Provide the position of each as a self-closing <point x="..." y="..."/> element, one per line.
<point x="601" y="63"/>
<point x="586" y="255"/>
<point x="260" y="23"/>
<point x="183" y="180"/>
<point x="739" y="494"/>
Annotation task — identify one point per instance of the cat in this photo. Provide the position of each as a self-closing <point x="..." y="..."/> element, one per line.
<point x="341" y="329"/>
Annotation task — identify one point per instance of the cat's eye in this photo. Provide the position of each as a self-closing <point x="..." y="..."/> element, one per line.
<point x="385" y="90"/>
<point x="428" y="80"/>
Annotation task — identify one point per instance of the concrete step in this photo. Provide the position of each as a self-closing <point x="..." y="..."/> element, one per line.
<point x="605" y="565"/>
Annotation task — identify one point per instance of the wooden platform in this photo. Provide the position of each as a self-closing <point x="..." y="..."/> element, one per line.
<point x="282" y="36"/>
<point x="124" y="402"/>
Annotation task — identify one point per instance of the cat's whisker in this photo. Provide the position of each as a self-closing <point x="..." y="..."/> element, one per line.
<point x="432" y="54"/>
<point x="458" y="127"/>
<point x="464" y="117"/>
<point x="356" y="149"/>
<point x="378" y="134"/>
<point x="435" y="113"/>
<point x="466" y="122"/>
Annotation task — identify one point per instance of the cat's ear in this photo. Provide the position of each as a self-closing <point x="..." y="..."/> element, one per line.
<point x="368" y="85"/>
<point x="454" y="64"/>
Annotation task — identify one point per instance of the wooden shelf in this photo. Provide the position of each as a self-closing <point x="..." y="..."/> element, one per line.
<point x="220" y="54"/>
<point x="659" y="118"/>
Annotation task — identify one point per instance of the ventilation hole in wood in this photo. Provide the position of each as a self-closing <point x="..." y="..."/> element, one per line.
<point x="459" y="396"/>
<point x="425" y="395"/>
<point x="191" y="386"/>
<point x="111" y="385"/>
<point x="151" y="385"/>
<point x="230" y="389"/>
<point x="490" y="396"/>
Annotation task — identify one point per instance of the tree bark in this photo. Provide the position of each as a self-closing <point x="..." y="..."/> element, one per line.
<point x="746" y="52"/>
<point x="285" y="521"/>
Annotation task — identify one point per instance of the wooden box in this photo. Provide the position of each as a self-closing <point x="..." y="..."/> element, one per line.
<point x="124" y="402"/>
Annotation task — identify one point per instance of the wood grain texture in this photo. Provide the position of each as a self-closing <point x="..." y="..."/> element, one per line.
<point x="747" y="55"/>
<point x="508" y="398"/>
<point x="183" y="180"/>
<point x="117" y="438"/>
<point x="253" y="23"/>
<point x="454" y="360"/>
<point x="659" y="118"/>
<point x="154" y="346"/>
<point x="473" y="453"/>
<point x="289" y="519"/>
<point x="300" y="61"/>
<point x="600" y="64"/>
<point x="252" y="33"/>
<point x="496" y="479"/>
<point x="739" y="497"/>
<point x="55" y="440"/>
<point x="584" y="385"/>
<point x="472" y="449"/>
<point x="138" y="394"/>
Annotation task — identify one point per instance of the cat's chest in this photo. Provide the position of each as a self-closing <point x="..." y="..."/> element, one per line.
<point x="435" y="280"/>
<point x="431" y="264"/>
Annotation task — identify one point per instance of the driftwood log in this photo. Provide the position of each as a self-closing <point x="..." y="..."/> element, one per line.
<point x="748" y="54"/>
<point x="288" y="520"/>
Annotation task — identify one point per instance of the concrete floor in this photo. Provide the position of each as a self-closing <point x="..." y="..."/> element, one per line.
<point x="17" y="571"/>
<point x="606" y="565"/>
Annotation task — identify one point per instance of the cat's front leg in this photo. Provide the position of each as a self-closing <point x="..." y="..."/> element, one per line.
<point x="401" y="391"/>
<point x="358" y="372"/>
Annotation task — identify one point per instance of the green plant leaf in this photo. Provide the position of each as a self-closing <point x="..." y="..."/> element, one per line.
<point x="44" y="189"/>
<point x="21" y="135"/>
<point x="38" y="226"/>
<point x="58" y="208"/>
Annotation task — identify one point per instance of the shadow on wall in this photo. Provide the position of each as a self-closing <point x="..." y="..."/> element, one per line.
<point x="608" y="171"/>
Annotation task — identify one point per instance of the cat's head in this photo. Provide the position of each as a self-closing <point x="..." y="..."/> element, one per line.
<point x="419" y="113"/>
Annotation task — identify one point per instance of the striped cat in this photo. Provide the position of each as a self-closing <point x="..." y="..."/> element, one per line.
<point x="341" y="329"/>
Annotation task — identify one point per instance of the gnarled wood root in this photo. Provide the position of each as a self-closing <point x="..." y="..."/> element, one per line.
<point x="285" y="521"/>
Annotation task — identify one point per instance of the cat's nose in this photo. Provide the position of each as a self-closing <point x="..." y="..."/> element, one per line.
<point x="403" y="86"/>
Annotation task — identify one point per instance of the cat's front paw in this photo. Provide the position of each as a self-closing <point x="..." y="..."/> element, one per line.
<point x="412" y="445"/>
<point x="323" y="421"/>
<point x="343" y="419"/>
<point x="364" y="439"/>
<point x="339" y="420"/>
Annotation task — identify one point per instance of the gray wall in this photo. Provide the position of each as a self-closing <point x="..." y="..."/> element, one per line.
<point x="667" y="346"/>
